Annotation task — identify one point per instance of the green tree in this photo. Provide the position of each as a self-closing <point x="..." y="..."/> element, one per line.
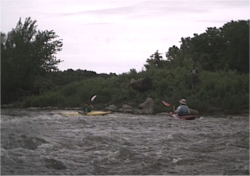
<point x="155" y="61"/>
<point x="236" y="35"/>
<point x="216" y="49"/>
<point x="26" y="55"/>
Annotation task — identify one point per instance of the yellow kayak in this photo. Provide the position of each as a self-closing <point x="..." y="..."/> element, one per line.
<point x="92" y="113"/>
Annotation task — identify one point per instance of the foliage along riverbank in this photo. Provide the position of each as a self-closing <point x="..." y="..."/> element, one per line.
<point x="32" y="79"/>
<point x="225" y="91"/>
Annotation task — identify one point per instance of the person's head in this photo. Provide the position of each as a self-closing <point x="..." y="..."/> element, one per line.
<point x="183" y="102"/>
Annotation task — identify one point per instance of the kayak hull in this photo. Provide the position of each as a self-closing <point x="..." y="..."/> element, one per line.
<point x="92" y="113"/>
<point x="187" y="117"/>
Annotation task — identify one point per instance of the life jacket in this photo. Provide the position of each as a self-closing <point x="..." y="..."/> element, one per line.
<point x="184" y="110"/>
<point x="87" y="108"/>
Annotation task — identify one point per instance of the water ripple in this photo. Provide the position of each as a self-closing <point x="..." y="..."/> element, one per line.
<point x="48" y="143"/>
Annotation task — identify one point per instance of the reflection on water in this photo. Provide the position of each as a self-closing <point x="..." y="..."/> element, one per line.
<point x="47" y="142"/>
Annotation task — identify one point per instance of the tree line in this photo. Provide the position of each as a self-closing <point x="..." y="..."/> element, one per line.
<point x="217" y="49"/>
<point x="30" y="73"/>
<point x="29" y="65"/>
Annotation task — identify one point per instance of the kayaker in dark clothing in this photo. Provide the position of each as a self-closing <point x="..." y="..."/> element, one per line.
<point x="87" y="108"/>
<point x="195" y="73"/>
<point x="183" y="109"/>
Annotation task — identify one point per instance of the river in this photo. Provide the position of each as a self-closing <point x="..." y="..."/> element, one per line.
<point x="46" y="142"/>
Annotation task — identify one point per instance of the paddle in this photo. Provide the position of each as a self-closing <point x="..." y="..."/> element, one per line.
<point x="93" y="98"/>
<point x="167" y="104"/>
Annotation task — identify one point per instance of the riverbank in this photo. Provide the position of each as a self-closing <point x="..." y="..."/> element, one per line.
<point x="212" y="112"/>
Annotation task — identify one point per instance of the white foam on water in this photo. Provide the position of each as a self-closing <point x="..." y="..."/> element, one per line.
<point x="170" y="136"/>
<point x="4" y="153"/>
<point x="119" y="143"/>
<point x="175" y="160"/>
<point x="46" y="146"/>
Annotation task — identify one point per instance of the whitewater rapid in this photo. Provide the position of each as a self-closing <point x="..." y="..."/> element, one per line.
<point x="50" y="143"/>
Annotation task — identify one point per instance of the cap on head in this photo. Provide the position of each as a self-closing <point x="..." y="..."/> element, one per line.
<point x="183" y="101"/>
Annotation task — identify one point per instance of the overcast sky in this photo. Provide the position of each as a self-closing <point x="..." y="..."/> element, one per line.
<point x="117" y="35"/>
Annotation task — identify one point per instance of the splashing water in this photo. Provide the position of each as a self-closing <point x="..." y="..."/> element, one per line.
<point x="49" y="143"/>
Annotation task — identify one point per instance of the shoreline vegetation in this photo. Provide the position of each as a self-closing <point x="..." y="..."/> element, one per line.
<point x="32" y="79"/>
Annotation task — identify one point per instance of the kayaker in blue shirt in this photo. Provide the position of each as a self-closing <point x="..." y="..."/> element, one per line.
<point x="183" y="109"/>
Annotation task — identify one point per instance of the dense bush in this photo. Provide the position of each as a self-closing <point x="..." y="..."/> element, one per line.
<point x="228" y="91"/>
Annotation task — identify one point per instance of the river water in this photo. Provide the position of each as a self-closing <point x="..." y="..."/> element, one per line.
<point x="50" y="143"/>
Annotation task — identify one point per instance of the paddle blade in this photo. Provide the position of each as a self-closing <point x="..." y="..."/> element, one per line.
<point x="92" y="98"/>
<point x="165" y="103"/>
